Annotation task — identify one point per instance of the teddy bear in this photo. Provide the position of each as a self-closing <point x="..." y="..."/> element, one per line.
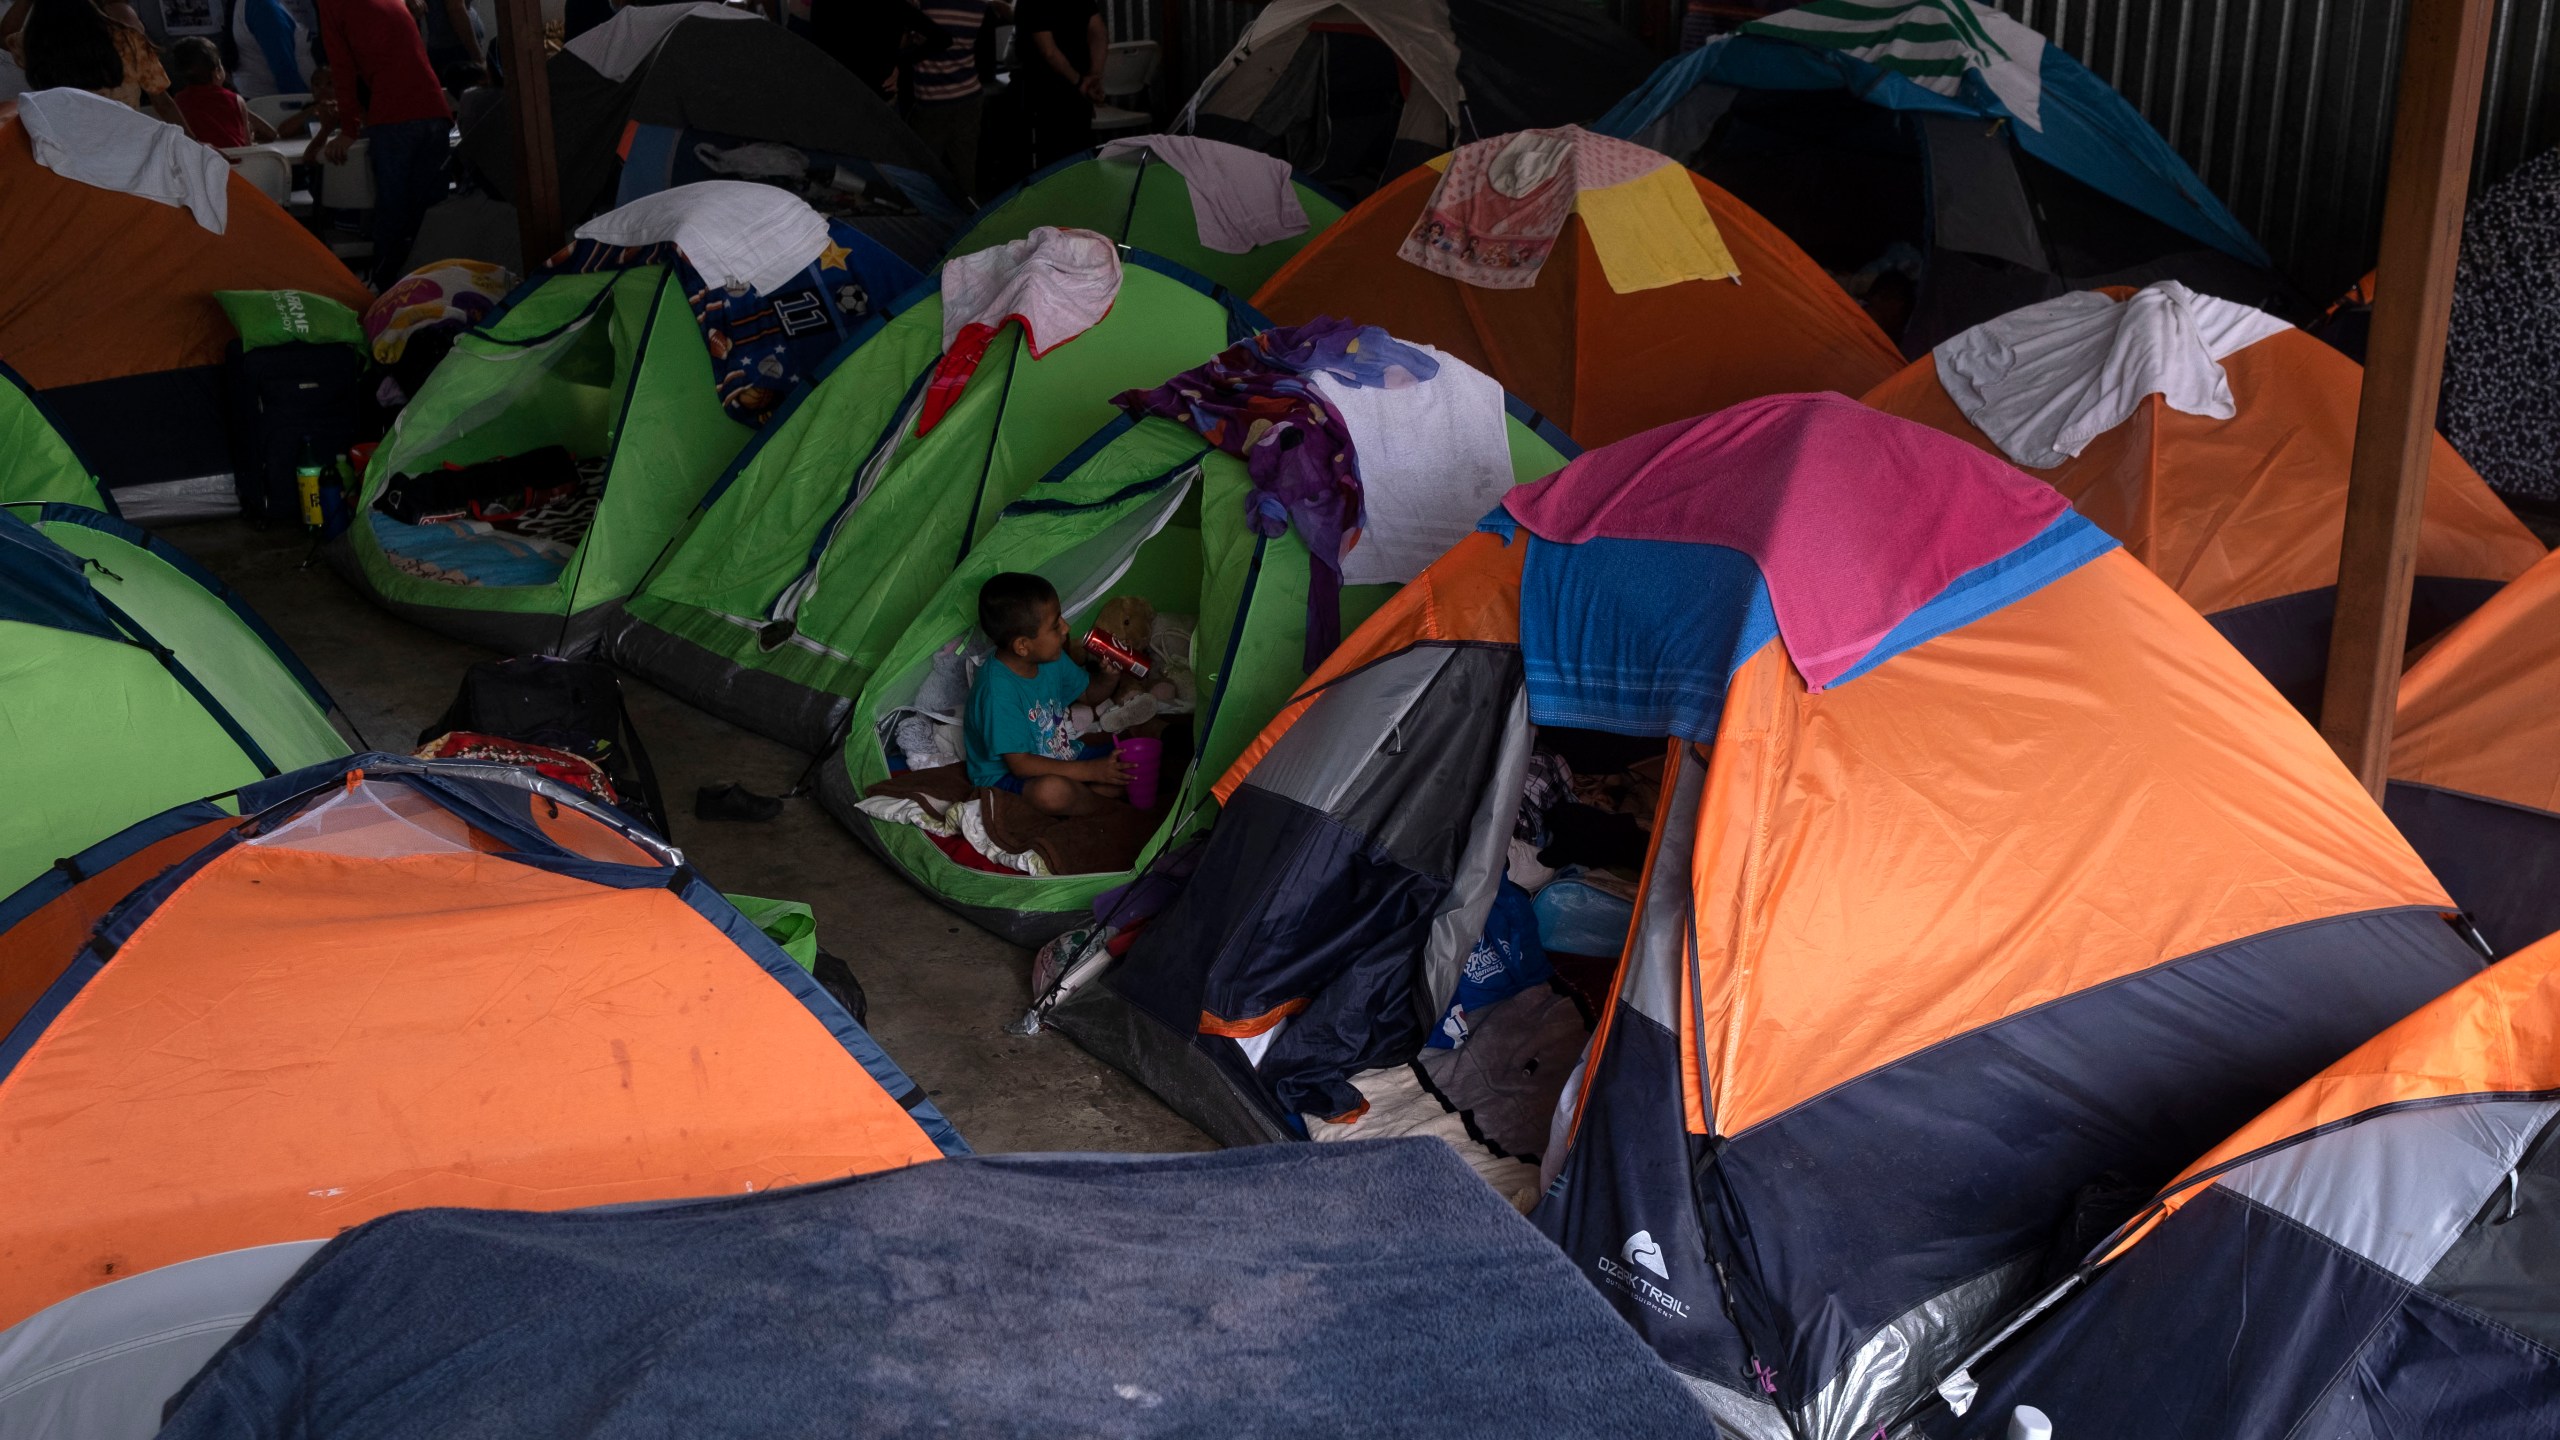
<point x="1134" y="704"/>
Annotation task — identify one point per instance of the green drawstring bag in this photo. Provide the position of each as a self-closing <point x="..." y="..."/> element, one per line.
<point x="787" y="923"/>
<point x="289" y="317"/>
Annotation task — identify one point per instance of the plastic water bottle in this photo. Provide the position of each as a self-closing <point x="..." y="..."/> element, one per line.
<point x="2028" y="1423"/>
<point x="334" y="486"/>
<point x="306" y="484"/>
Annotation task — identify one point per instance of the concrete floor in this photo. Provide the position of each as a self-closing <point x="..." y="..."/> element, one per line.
<point x="941" y="990"/>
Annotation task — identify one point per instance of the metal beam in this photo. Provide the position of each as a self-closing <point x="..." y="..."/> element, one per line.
<point x="2443" y="55"/>
<point x="537" y="189"/>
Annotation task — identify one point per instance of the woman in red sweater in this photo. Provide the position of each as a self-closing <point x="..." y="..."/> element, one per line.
<point x="388" y="95"/>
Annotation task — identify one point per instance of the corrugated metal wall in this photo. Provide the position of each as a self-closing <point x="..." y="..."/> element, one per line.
<point x="2284" y="106"/>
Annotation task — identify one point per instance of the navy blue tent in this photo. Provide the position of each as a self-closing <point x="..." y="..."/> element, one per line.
<point x="1943" y="141"/>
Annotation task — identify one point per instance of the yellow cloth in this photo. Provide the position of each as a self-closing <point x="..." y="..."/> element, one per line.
<point x="1654" y="231"/>
<point x="1650" y="232"/>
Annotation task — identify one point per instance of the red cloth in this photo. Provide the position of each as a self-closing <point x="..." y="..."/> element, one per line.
<point x="963" y="853"/>
<point x="378" y="62"/>
<point x="1855" y="518"/>
<point x="214" y="116"/>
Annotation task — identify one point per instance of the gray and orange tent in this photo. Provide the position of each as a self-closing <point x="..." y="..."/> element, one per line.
<point x="107" y="313"/>
<point x="1600" y="364"/>
<point x="384" y="983"/>
<point x="2376" y="1255"/>
<point x="2475" y="760"/>
<point x="2243" y="516"/>
<point x="2018" y="907"/>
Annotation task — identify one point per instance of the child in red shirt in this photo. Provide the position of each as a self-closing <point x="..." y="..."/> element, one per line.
<point x="215" y="116"/>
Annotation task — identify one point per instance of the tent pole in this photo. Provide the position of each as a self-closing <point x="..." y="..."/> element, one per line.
<point x="537" y="161"/>
<point x="2444" y="53"/>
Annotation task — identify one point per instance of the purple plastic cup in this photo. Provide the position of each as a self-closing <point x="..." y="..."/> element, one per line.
<point x="1145" y="759"/>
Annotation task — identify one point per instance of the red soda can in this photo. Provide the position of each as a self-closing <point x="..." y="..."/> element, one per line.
<point x="1101" y="643"/>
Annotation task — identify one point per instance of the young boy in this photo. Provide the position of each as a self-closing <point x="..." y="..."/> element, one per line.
<point x="215" y="116"/>
<point x="1019" y="734"/>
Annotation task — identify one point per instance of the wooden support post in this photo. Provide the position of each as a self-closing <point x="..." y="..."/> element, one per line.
<point x="2443" y="55"/>
<point x="537" y="189"/>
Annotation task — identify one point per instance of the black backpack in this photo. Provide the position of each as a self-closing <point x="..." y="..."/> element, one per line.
<point x="282" y="397"/>
<point x="572" y="705"/>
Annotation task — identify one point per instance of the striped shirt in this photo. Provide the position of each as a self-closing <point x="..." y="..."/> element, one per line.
<point x="953" y="74"/>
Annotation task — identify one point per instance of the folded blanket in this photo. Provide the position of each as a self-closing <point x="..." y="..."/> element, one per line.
<point x="1274" y="1290"/>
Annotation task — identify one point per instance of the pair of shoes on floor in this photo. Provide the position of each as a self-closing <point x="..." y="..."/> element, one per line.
<point x="733" y="801"/>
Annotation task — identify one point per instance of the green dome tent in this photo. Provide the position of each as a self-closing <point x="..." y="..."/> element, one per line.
<point x="131" y="681"/>
<point x="805" y="563"/>
<point x="1143" y="203"/>
<point x="37" y="461"/>
<point x="610" y="365"/>
<point x="1145" y="508"/>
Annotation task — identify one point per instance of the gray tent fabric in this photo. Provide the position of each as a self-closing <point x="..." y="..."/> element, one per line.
<point x="1371" y="1288"/>
<point x="102" y="1363"/>
<point x="750" y="81"/>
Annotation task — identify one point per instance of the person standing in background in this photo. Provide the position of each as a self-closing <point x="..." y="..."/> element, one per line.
<point x="873" y="38"/>
<point x="388" y="95"/>
<point x="1060" y="44"/>
<point x="65" y="45"/>
<point x="946" y="97"/>
<point x="578" y="17"/>
<point x="274" y="50"/>
<point x="456" y="49"/>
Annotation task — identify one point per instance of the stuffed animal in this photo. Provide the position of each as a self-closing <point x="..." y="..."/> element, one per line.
<point x="1128" y="619"/>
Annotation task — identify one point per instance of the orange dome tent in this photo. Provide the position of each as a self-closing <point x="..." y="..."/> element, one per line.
<point x="386" y="983"/>
<point x="107" y="311"/>
<point x="1602" y="365"/>
<point x="2242" y="516"/>
<point x="2475" y="760"/>
<point x="1933" y="962"/>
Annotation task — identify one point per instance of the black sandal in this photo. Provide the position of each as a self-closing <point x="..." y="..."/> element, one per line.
<point x="733" y="801"/>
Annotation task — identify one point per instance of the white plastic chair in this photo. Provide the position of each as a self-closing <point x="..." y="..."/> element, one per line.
<point x="268" y="171"/>
<point x="276" y="109"/>
<point x="349" y="186"/>
<point x="1126" y="70"/>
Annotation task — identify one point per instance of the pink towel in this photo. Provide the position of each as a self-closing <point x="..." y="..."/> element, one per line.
<point x="1240" y="198"/>
<point x="1855" y="518"/>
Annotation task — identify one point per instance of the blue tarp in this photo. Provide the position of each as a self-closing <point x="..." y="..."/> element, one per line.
<point x="2088" y="131"/>
<point x="1372" y="1288"/>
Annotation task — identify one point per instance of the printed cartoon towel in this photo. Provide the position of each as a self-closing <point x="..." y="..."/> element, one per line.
<point x="1501" y="204"/>
<point x="773" y="305"/>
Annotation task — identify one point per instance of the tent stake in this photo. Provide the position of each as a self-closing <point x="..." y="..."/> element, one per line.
<point x="2444" y="52"/>
<point x="537" y="191"/>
